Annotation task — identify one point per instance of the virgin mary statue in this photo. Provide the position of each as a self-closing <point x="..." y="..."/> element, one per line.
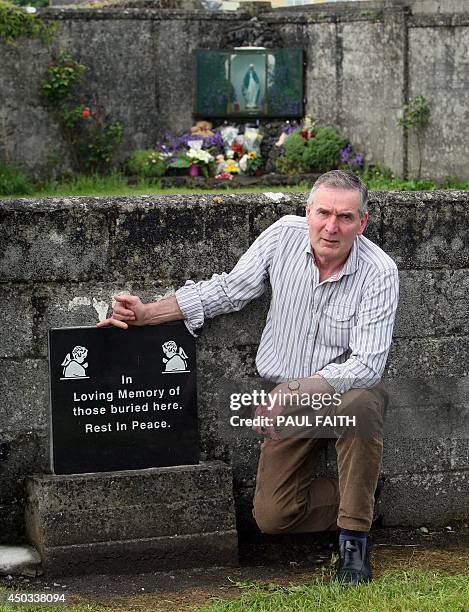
<point x="251" y="87"/>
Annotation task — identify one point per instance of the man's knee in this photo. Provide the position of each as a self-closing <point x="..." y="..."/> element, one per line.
<point x="273" y="517"/>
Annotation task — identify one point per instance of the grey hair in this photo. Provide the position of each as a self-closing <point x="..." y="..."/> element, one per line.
<point x="343" y="179"/>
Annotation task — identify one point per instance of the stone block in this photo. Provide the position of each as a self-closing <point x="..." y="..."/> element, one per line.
<point x="82" y="304"/>
<point x="239" y="328"/>
<point x="415" y="455"/>
<point x="360" y="47"/>
<point x="442" y="79"/>
<point x="136" y="520"/>
<point x="23" y="452"/>
<point x="446" y="313"/>
<point x="11" y="523"/>
<point x="459" y="453"/>
<point x="428" y="230"/>
<point x="149" y="555"/>
<point x="431" y="498"/>
<point x="60" y="237"/>
<point x="428" y="358"/>
<point x="16" y="321"/>
<point x="174" y="243"/>
<point x="24" y="394"/>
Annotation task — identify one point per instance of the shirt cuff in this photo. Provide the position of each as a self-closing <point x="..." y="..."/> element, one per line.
<point x="190" y="304"/>
<point x="334" y="375"/>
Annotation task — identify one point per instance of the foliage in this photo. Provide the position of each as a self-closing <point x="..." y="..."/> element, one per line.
<point x="15" y="22"/>
<point x="146" y="164"/>
<point x="416" y="114"/>
<point x="62" y="73"/>
<point x="92" y="136"/>
<point x="311" y="150"/>
<point x="254" y="163"/>
<point x="35" y="3"/>
<point x="322" y="151"/>
<point x="87" y="128"/>
<point x="13" y="181"/>
<point x="285" y="165"/>
<point x="415" y="118"/>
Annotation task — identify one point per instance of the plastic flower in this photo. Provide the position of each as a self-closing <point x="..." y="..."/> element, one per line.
<point x="86" y="112"/>
<point x="252" y="155"/>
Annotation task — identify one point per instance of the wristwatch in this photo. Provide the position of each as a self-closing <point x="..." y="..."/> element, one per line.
<point x="294" y="386"/>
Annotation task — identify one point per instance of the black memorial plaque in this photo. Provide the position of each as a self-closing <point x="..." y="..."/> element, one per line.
<point x="122" y="399"/>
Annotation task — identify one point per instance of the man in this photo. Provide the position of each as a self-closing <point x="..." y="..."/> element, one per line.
<point x="328" y="331"/>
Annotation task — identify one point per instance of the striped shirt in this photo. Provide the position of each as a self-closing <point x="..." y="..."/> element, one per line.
<point x="340" y="328"/>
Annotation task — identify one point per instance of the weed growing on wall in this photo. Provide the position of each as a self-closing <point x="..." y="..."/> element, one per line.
<point x="415" y="119"/>
<point x="62" y="73"/>
<point x="15" y="22"/>
<point x="86" y="127"/>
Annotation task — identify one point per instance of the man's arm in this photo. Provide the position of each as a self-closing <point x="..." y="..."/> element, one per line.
<point x="129" y="310"/>
<point x="194" y="302"/>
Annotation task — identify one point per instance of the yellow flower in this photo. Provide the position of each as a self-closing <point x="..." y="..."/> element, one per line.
<point x="231" y="166"/>
<point x="252" y="155"/>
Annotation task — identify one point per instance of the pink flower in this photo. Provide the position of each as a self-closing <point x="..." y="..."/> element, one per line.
<point x="224" y="176"/>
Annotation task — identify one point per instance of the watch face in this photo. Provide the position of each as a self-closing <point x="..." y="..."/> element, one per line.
<point x="294" y="385"/>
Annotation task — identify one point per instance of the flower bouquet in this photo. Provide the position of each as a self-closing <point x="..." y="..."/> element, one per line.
<point x="195" y="160"/>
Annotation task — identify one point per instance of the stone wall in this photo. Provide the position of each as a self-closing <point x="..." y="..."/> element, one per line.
<point x="363" y="62"/>
<point x="61" y="260"/>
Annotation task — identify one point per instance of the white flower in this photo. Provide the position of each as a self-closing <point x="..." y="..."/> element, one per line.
<point x="200" y="155"/>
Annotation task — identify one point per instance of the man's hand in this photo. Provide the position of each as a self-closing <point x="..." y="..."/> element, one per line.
<point x="128" y="310"/>
<point x="282" y="398"/>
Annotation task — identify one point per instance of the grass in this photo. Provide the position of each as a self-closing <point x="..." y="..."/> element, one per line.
<point x="115" y="184"/>
<point x="396" y="590"/>
<point x="399" y="591"/>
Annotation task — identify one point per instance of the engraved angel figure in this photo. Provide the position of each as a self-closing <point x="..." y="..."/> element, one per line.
<point x="73" y="366"/>
<point x="176" y="358"/>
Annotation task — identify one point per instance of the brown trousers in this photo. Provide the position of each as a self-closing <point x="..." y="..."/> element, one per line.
<point x="289" y="500"/>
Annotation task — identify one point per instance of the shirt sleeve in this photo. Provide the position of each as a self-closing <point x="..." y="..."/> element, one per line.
<point x="371" y="337"/>
<point x="230" y="292"/>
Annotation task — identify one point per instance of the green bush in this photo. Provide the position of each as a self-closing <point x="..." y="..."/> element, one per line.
<point x="13" y="181"/>
<point x="145" y="163"/>
<point x="295" y="147"/>
<point x="314" y="151"/>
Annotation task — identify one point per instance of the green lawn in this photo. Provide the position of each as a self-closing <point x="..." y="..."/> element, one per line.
<point x="116" y="184"/>
<point x="396" y="591"/>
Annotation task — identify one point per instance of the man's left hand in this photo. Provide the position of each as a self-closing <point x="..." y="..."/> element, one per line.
<point x="282" y="397"/>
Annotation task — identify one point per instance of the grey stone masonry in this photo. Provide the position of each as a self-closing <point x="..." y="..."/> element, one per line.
<point x="61" y="260"/>
<point x="133" y="521"/>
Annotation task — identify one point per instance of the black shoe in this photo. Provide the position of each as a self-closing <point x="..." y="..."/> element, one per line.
<point x="353" y="566"/>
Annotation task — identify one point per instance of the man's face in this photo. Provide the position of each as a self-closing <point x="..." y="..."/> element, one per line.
<point x="334" y="223"/>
